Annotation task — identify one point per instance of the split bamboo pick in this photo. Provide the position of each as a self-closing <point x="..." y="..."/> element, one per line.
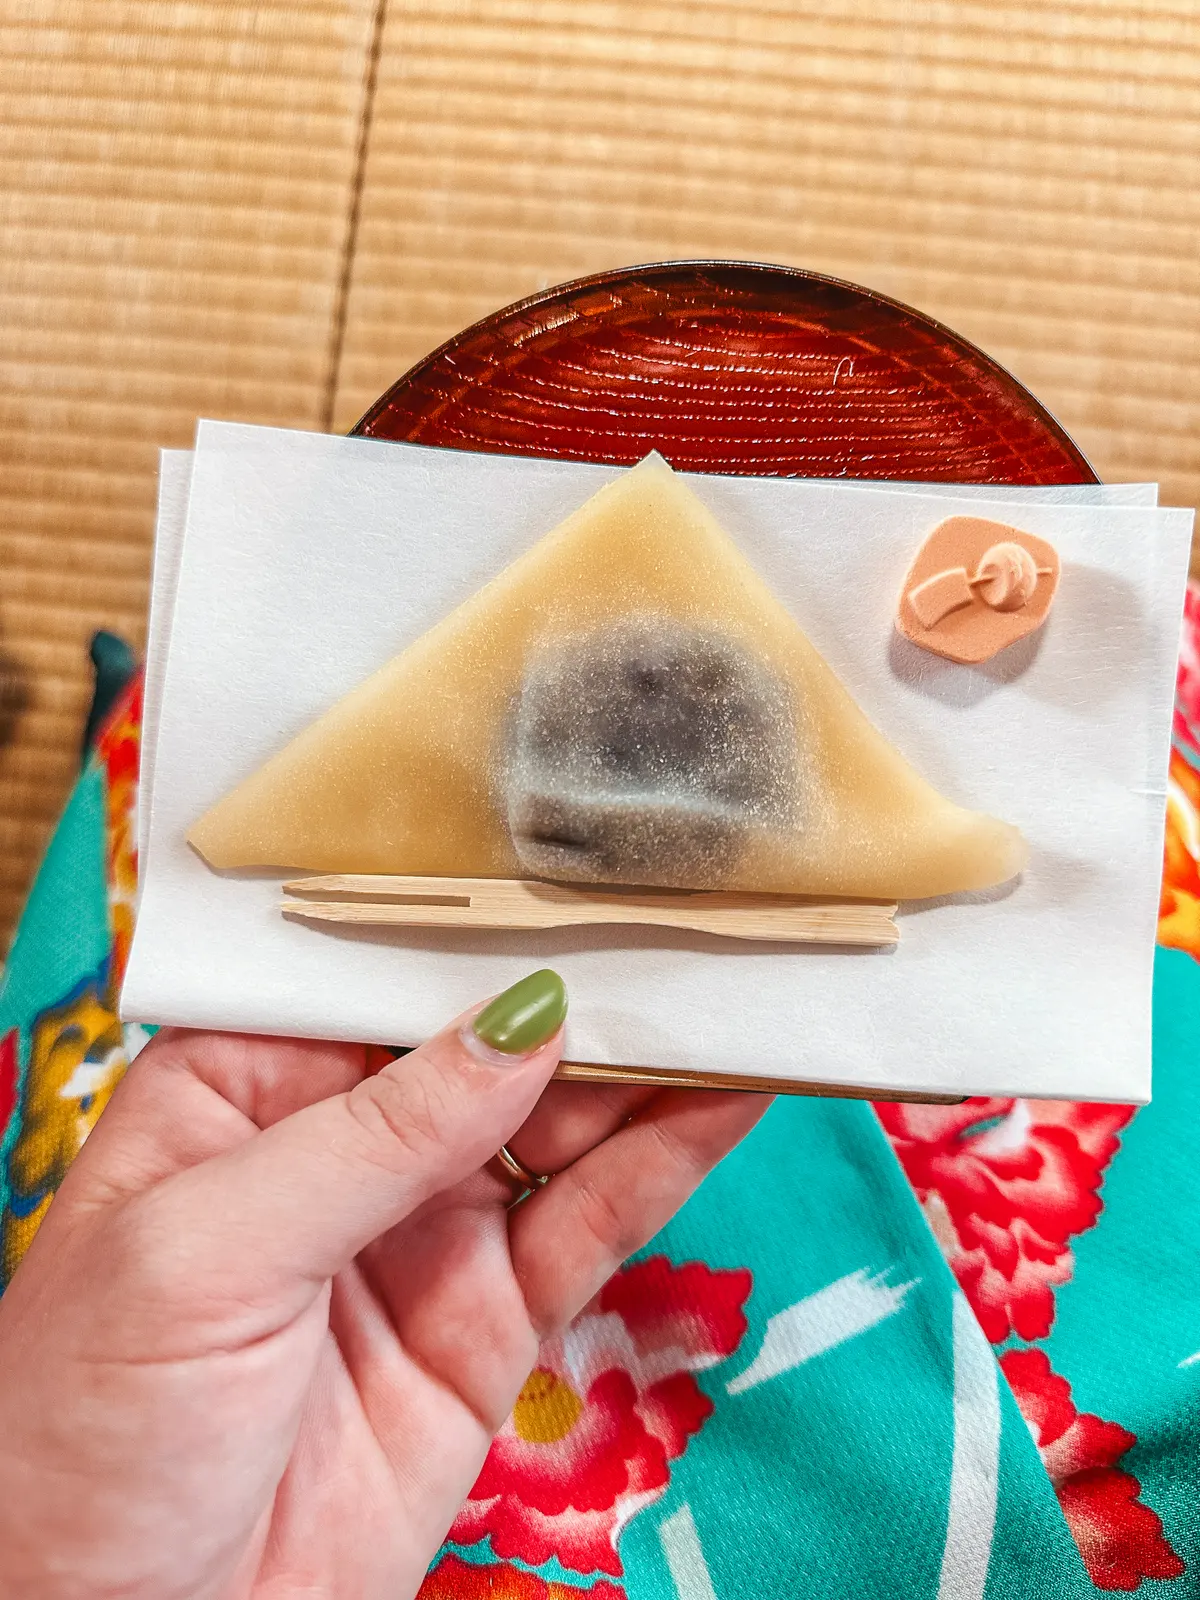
<point x="502" y="903"/>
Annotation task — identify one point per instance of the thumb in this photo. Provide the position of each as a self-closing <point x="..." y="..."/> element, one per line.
<point x="299" y="1201"/>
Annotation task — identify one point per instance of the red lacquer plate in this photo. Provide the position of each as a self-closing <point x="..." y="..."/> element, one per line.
<point x="730" y="367"/>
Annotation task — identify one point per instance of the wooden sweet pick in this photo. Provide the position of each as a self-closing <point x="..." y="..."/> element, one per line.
<point x="367" y="900"/>
<point x="976" y="587"/>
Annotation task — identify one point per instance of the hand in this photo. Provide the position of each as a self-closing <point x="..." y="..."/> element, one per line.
<point x="281" y="1303"/>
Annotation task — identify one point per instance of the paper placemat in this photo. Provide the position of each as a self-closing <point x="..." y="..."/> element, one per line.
<point x="340" y="552"/>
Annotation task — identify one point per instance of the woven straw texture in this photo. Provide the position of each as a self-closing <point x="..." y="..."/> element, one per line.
<point x="270" y="211"/>
<point x="178" y="181"/>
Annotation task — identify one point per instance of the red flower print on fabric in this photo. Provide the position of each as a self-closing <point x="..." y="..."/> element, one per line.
<point x="8" y="1078"/>
<point x="1005" y="1184"/>
<point x="1120" y="1539"/>
<point x="455" y="1579"/>
<point x="117" y="749"/>
<point x="610" y="1404"/>
<point x="1187" y="683"/>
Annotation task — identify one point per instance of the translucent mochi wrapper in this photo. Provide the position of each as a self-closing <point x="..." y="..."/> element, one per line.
<point x="451" y="760"/>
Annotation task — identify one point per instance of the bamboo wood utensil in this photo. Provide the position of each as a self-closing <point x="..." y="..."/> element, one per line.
<point x="368" y="900"/>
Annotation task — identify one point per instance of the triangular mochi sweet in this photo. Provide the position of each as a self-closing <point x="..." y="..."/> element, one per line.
<point x="754" y="768"/>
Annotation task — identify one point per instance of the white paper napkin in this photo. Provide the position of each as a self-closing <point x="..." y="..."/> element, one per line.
<point x="306" y="561"/>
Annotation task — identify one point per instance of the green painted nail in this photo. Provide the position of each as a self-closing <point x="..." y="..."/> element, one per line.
<point x="525" y="1016"/>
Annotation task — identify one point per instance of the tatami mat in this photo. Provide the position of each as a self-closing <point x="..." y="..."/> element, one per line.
<point x="176" y="185"/>
<point x="185" y="202"/>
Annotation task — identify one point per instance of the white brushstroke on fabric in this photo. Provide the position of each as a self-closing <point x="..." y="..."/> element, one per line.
<point x="136" y="1039"/>
<point x="685" y="1557"/>
<point x="975" y="1469"/>
<point x="89" y="1077"/>
<point x="822" y="1321"/>
<point x="1009" y="1134"/>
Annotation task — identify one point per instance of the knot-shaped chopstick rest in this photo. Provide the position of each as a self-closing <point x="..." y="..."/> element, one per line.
<point x="976" y="587"/>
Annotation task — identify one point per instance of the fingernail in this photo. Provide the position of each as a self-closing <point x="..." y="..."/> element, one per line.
<point x="521" y="1019"/>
